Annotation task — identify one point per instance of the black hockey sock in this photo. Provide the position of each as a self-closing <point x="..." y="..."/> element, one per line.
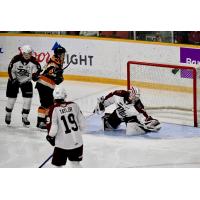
<point x="8" y="110"/>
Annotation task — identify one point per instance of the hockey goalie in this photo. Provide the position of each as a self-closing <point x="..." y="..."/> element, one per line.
<point x="128" y="108"/>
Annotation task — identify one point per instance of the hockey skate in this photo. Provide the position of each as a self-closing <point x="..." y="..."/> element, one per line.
<point x="41" y="125"/>
<point x="25" y="122"/>
<point x="8" y="119"/>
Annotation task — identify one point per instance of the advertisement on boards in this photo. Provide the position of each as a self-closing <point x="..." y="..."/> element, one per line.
<point x="189" y="56"/>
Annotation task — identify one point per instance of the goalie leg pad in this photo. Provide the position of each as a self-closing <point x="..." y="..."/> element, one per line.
<point x="114" y="120"/>
<point x="134" y="129"/>
<point x="111" y="121"/>
<point x="106" y="125"/>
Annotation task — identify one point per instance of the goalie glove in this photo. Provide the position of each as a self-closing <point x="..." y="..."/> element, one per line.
<point x="150" y="120"/>
<point x="51" y="140"/>
<point x="152" y="124"/>
<point x="100" y="108"/>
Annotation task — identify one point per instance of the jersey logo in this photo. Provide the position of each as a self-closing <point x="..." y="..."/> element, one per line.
<point x="22" y="72"/>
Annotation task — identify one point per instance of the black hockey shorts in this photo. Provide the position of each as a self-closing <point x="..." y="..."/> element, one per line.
<point x="13" y="89"/>
<point x="60" y="156"/>
<point x="45" y="94"/>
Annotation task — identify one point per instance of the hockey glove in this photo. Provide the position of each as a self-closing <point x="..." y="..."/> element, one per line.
<point x="58" y="72"/>
<point x="152" y="124"/>
<point x="58" y="80"/>
<point x="149" y="118"/>
<point x="100" y="108"/>
<point x="51" y="140"/>
<point x="35" y="76"/>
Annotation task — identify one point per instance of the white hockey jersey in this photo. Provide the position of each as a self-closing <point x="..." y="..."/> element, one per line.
<point x="122" y="97"/>
<point x="22" y="69"/>
<point x="67" y="124"/>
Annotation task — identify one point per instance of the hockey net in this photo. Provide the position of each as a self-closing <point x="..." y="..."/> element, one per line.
<point x="169" y="92"/>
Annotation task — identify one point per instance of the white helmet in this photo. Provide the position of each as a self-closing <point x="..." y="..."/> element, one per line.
<point x="59" y="92"/>
<point x="26" y="49"/>
<point x="134" y="93"/>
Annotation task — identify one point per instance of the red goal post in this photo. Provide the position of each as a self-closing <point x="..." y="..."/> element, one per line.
<point x="194" y="82"/>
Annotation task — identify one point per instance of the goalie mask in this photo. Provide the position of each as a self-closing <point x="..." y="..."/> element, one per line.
<point x="134" y="93"/>
<point x="59" y="93"/>
<point x="27" y="51"/>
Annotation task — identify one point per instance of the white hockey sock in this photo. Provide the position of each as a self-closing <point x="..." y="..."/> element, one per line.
<point x="10" y="105"/>
<point x="27" y="103"/>
<point x="75" y="164"/>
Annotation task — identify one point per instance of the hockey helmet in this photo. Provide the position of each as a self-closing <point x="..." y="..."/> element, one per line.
<point x="27" y="51"/>
<point x="59" y="92"/>
<point x="59" y="50"/>
<point x="134" y="93"/>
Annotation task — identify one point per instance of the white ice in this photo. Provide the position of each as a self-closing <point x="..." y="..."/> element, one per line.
<point x="173" y="146"/>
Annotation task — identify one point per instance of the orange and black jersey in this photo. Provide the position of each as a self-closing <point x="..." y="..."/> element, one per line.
<point x="52" y="73"/>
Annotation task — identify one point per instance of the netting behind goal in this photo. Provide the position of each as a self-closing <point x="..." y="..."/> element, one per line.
<point x="169" y="92"/>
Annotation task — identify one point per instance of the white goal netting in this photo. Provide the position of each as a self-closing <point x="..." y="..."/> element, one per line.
<point x="170" y="92"/>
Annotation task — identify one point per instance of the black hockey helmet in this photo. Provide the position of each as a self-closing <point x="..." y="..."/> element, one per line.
<point x="59" y="50"/>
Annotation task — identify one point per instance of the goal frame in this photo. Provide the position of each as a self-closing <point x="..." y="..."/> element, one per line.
<point x="194" y="73"/>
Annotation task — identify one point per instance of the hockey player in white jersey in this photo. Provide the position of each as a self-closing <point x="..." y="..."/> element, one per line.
<point x="65" y="126"/>
<point x="128" y="107"/>
<point x="22" y="69"/>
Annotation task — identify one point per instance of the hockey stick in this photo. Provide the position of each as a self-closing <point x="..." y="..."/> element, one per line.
<point x="45" y="161"/>
<point x="67" y="65"/>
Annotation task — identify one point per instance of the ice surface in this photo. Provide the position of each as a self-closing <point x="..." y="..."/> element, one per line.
<point x="173" y="146"/>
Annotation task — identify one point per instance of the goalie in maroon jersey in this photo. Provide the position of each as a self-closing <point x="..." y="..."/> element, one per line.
<point x="128" y="107"/>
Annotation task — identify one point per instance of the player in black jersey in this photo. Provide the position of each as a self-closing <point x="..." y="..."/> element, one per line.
<point x="22" y="69"/>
